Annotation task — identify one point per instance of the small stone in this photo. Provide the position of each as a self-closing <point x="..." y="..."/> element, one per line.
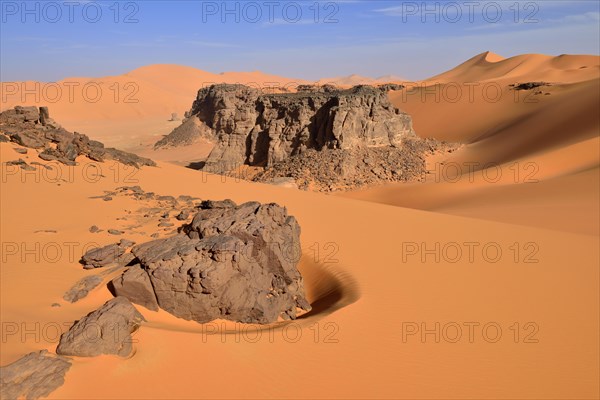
<point x="22" y="164"/>
<point x="182" y="216"/>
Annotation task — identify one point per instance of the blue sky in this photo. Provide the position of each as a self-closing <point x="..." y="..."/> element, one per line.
<point x="51" y="40"/>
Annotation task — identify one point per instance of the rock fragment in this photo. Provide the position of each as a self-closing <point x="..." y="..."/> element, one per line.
<point x="82" y="288"/>
<point x="33" y="376"/>
<point x="104" y="331"/>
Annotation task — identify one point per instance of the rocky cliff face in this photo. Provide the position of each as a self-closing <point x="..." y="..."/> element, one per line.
<point x="262" y="129"/>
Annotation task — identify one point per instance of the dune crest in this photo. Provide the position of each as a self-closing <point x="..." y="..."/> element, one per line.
<point x="490" y="66"/>
<point x="549" y="126"/>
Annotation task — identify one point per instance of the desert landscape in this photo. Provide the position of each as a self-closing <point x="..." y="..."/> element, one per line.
<point x="173" y="233"/>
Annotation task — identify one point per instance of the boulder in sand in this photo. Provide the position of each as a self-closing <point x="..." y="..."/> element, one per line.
<point x="33" y="376"/>
<point x="231" y="262"/>
<point x="104" y="331"/>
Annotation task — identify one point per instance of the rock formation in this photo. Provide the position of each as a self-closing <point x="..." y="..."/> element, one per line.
<point x="135" y="285"/>
<point x="82" y="288"/>
<point x="109" y="255"/>
<point x="529" y="85"/>
<point x="263" y="129"/>
<point x="185" y="134"/>
<point x="333" y="170"/>
<point x="21" y="164"/>
<point x="34" y="128"/>
<point x="104" y="331"/>
<point x="33" y="376"/>
<point x="231" y="262"/>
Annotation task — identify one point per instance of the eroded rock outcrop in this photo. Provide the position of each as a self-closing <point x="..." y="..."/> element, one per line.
<point x="32" y="127"/>
<point x="231" y="262"/>
<point x="82" y="288"/>
<point x="110" y="255"/>
<point x="332" y="170"/>
<point x="106" y="330"/>
<point x="529" y="85"/>
<point x="262" y="129"/>
<point x="33" y="376"/>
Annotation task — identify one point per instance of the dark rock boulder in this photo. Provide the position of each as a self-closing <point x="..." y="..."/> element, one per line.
<point x="28" y="114"/>
<point x="33" y="376"/>
<point x="231" y="262"/>
<point x="27" y="138"/>
<point x="529" y="85"/>
<point x="386" y="87"/>
<point x="104" y="331"/>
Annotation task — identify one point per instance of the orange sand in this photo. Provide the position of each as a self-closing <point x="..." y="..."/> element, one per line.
<point x="367" y="268"/>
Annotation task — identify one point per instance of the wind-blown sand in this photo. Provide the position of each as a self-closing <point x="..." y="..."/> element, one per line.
<point x="367" y="269"/>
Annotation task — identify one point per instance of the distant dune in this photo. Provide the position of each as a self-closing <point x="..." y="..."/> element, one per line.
<point x="352" y="80"/>
<point x="485" y="66"/>
<point x="550" y="132"/>
<point x="132" y="109"/>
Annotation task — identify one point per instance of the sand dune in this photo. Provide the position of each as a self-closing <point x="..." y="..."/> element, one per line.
<point x="353" y="80"/>
<point x="517" y="124"/>
<point x="375" y="284"/>
<point x="370" y="291"/>
<point x="488" y="66"/>
<point x="550" y="138"/>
